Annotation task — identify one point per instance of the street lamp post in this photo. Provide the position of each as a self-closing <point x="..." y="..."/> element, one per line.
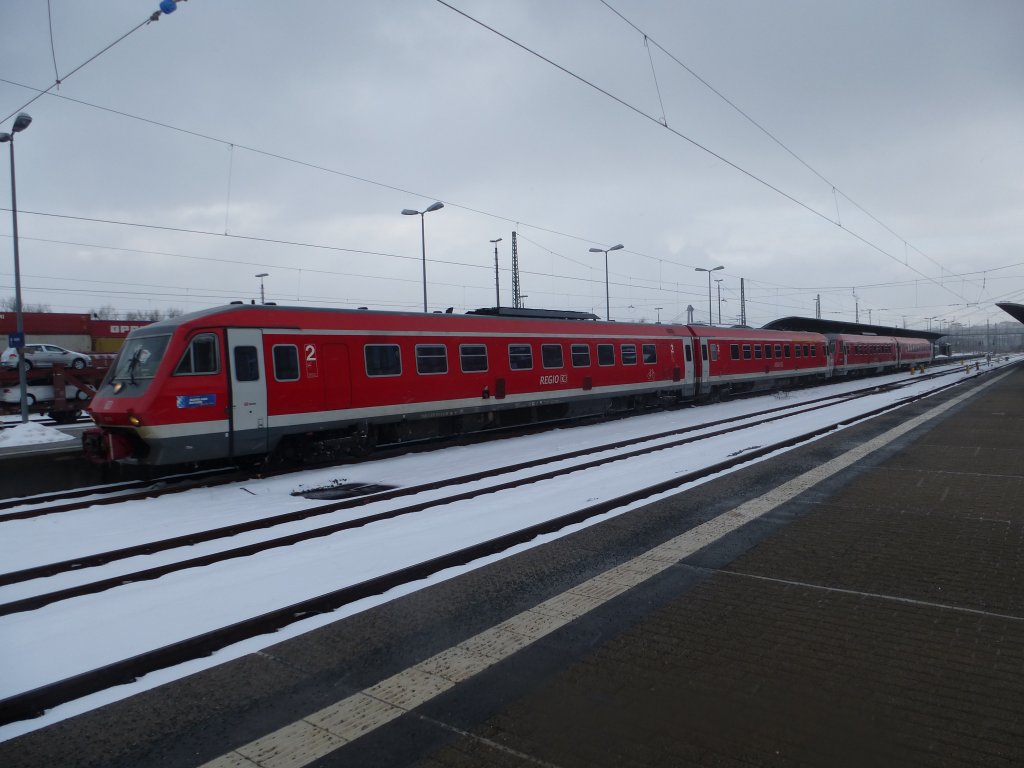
<point x="21" y="122"/>
<point x="658" y="310"/>
<point x="423" y="241"/>
<point x="718" y="280"/>
<point x="709" y="271"/>
<point x="261" y="275"/>
<point x="497" y="290"/>
<point x="607" y="300"/>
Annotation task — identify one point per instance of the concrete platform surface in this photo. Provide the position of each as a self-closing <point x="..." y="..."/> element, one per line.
<point x="858" y="601"/>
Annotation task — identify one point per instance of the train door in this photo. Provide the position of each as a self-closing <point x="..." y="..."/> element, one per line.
<point x="248" y="391"/>
<point x="705" y="368"/>
<point x="689" y="368"/>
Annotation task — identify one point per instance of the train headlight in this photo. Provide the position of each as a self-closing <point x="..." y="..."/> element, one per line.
<point x="135" y="421"/>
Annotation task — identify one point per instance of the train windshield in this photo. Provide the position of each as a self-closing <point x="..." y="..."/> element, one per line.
<point x="138" y="360"/>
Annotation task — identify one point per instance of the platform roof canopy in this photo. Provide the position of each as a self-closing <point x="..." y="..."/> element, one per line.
<point x="816" y="325"/>
<point x="1016" y="311"/>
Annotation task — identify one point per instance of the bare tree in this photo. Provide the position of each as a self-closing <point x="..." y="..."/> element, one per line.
<point x="8" y="304"/>
<point x="106" y="312"/>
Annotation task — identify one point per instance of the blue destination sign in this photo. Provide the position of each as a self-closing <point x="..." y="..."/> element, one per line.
<point x="196" y="401"/>
<point x="16" y="340"/>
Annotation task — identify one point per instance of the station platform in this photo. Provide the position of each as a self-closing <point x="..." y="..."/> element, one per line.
<point x="46" y="467"/>
<point x="858" y="601"/>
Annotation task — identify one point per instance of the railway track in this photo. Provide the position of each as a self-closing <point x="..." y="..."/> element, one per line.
<point x="444" y="492"/>
<point x="119" y="492"/>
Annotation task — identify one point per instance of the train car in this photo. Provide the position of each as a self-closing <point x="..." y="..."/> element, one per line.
<point x="248" y="380"/>
<point x="856" y="355"/>
<point x="736" y="360"/>
<point x="913" y="352"/>
<point x="861" y="355"/>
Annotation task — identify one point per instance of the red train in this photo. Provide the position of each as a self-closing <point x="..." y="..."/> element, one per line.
<point x="249" y="380"/>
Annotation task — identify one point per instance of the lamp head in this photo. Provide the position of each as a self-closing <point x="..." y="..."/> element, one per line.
<point x="435" y="207"/>
<point x="616" y="247"/>
<point x="597" y="250"/>
<point x="4" y="138"/>
<point x="496" y="241"/>
<point x="21" y="122"/>
<point x="263" y="274"/>
<point x="409" y="212"/>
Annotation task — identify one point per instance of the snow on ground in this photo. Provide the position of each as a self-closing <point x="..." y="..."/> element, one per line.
<point x="31" y="433"/>
<point x="137" y="617"/>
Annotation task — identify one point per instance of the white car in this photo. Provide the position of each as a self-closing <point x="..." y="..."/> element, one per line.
<point x="40" y="393"/>
<point x="44" y="356"/>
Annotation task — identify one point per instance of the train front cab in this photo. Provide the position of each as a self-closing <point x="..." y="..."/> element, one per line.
<point x="183" y="397"/>
<point x="222" y="373"/>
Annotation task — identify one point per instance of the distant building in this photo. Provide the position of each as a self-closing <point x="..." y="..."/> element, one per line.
<point x="78" y="332"/>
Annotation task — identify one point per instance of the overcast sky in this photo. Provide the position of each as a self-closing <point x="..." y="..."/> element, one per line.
<point x="286" y="138"/>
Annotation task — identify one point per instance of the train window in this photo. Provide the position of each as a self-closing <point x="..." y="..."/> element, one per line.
<point x="778" y="350"/>
<point x="286" y="362"/>
<point x="768" y="351"/>
<point x="796" y="347"/>
<point x="807" y="352"/>
<point x="383" y="360"/>
<point x="814" y="350"/>
<point x="431" y="358"/>
<point x="714" y="351"/>
<point x="746" y="351"/>
<point x="650" y="353"/>
<point x="628" y="352"/>
<point x="139" y="359"/>
<point x="520" y="357"/>
<point x="704" y="352"/>
<point x="689" y="354"/>
<point x="757" y="351"/>
<point x="247" y="364"/>
<point x="734" y="351"/>
<point x="785" y="350"/>
<point x="551" y="355"/>
<point x="200" y="357"/>
<point x="473" y="358"/>
<point x="606" y="354"/>
<point x="580" y="355"/>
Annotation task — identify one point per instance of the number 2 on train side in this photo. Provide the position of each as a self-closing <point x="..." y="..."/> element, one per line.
<point x="311" y="366"/>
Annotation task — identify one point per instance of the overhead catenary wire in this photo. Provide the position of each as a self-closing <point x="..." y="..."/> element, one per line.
<point x="149" y="19"/>
<point x="552" y="231"/>
<point x="53" y="49"/>
<point x="384" y="185"/>
<point x="299" y="244"/>
<point x="648" y="41"/>
<point x="637" y="110"/>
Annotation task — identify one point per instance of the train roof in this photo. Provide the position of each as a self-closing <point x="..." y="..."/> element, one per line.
<point x="744" y="332"/>
<point x="280" y="316"/>
<point x="817" y="325"/>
